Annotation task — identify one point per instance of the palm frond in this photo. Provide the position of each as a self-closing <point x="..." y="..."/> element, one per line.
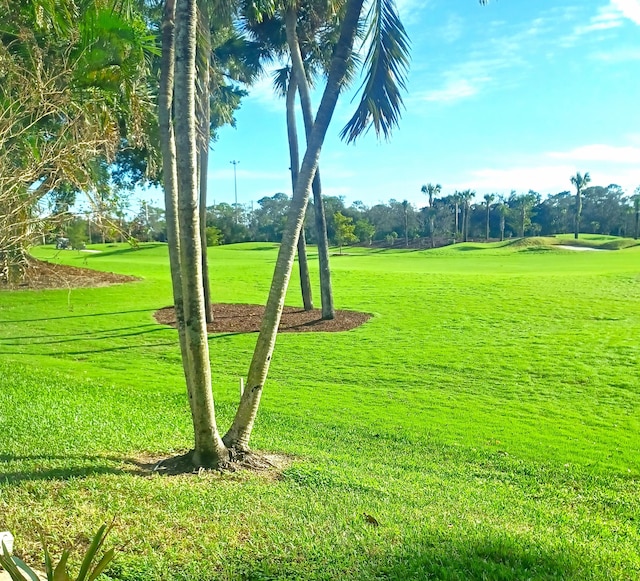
<point x="386" y="66"/>
<point x="280" y="79"/>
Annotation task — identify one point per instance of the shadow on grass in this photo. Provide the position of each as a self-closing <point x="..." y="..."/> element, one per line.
<point x="48" y="467"/>
<point x="78" y="316"/>
<point x="485" y="557"/>
<point x="98" y="335"/>
<point x="489" y="557"/>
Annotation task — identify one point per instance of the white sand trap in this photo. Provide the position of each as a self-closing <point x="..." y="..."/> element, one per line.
<point x="581" y="248"/>
<point x="91" y="251"/>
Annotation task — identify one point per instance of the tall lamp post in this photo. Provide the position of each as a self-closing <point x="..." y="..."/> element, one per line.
<point x="235" y="162"/>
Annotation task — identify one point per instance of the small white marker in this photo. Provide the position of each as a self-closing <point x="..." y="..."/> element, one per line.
<point x="6" y="539"/>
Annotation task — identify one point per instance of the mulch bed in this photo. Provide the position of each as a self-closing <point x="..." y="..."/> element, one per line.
<point x="234" y="318"/>
<point x="49" y="275"/>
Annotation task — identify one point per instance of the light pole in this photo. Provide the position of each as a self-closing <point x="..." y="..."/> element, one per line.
<point x="235" y="162"/>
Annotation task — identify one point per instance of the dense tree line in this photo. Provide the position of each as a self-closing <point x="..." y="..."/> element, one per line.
<point x="605" y="210"/>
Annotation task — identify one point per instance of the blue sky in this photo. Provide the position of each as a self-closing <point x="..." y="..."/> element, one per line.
<point x="514" y="95"/>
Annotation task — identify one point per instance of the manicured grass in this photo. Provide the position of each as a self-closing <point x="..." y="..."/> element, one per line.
<point x="487" y="416"/>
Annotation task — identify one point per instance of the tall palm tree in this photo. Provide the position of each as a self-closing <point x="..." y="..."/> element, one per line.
<point x="488" y="200"/>
<point x="580" y="182"/>
<point x="503" y="211"/>
<point x="230" y="56"/>
<point x="432" y="191"/>
<point x="301" y="38"/>
<point x="456" y="198"/>
<point x="466" y="196"/>
<point x="388" y="51"/>
<point x="294" y="160"/>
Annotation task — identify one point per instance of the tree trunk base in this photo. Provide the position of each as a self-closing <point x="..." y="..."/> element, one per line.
<point x="238" y="460"/>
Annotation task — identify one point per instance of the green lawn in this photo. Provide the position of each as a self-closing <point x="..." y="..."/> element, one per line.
<point x="488" y="416"/>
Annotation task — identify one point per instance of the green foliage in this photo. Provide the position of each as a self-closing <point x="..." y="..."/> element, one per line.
<point x="214" y="236"/>
<point x="20" y="571"/>
<point x="364" y="230"/>
<point x="345" y="230"/>
<point x="76" y="232"/>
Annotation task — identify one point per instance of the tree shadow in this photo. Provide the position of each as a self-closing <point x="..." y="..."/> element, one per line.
<point x="42" y="319"/>
<point x="494" y="556"/>
<point x="114" y="333"/>
<point x="86" y="465"/>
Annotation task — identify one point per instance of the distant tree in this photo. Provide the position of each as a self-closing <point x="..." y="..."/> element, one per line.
<point x="465" y="198"/>
<point x="431" y="191"/>
<point x="365" y="231"/>
<point x="405" y="215"/>
<point x="456" y="200"/>
<point x="488" y="200"/>
<point x="523" y="204"/>
<point x="636" y="210"/>
<point x="580" y="182"/>
<point x="503" y="212"/>
<point x="345" y="230"/>
<point x="214" y="236"/>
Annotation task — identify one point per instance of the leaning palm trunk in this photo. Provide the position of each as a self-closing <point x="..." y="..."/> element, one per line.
<point x="240" y="431"/>
<point x="294" y="157"/>
<point x="326" y="291"/>
<point x="209" y="449"/>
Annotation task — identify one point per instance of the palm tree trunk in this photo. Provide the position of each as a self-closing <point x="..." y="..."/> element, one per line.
<point x="294" y="158"/>
<point x="487" y="233"/>
<point x="636" y="228"/>
<point x="326" y="291"/>
<point x="240" y="431"/>
<point x="204" y="110"/>
<point x="578" y="214"/>
<point x="209" y="449"/>
<point x="168" y="148"/>
<point x="455" y="235"/>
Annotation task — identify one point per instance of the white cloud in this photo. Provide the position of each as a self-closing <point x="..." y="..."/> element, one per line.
<point x="629" y="8"/>
<point x="600" y="153"/>
<point x="621" y="55"/>
<point x="453" y="29"/>
<point x="263" y="92"/>
<point x="454" y="90"/>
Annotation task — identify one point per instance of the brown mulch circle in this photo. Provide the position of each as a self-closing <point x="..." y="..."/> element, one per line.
<point x="235" y="318"/>
<point x="41" y="275"/>
<point x="270" y="465"/>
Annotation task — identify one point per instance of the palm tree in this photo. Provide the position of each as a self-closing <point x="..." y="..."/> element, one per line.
<point x="456" y="198"/>
<point x="209" y="449"/>
<point x="580" y="182"/>
<point x="503" y="212"/>
<point x="466" y="198"/>
<point x="431" y="190"/>
<point x="375" y="107"/>
<point x="294" y="159"/>
<point x="230" y="57"/>
<point x="305" y="40"/>
<point x="488" y="200"/>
